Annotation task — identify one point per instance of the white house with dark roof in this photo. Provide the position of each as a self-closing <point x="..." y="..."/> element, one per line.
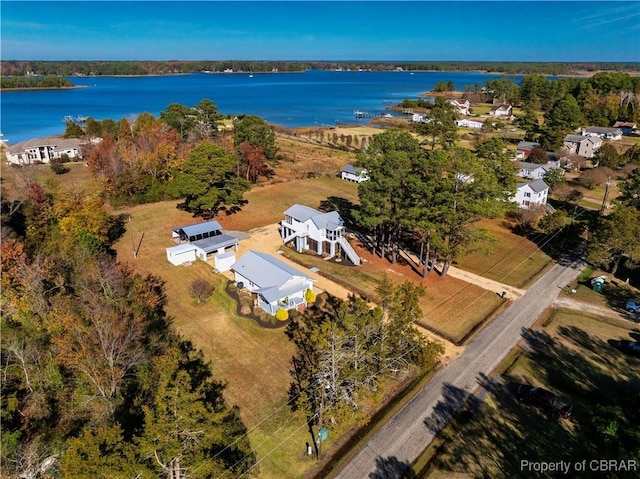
<point x="501" y="111"/>
<point x="531" y="194"/>
<point x="43" y="150"/>
<point x="275" y="284"/>
<point x="309" y="228"/>
<point x="354" y="173"/>
<point x="603" y="132"/>
<point x="585" y="146"/>
<point x="199" y="241"/>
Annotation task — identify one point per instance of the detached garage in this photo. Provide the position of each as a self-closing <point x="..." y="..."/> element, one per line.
<point x="181" y="254"/>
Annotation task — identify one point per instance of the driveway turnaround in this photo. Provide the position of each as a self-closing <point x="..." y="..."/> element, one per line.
<point x="399" y="443"/>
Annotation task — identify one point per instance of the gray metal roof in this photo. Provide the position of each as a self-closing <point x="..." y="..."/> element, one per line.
<point x="532" y="166"/>
<point x="266" y="271"/>
<point x="301" y="212"/>
<point x="575" y="138"/>
<point x="527" y="145"/>
<point x="198" y="228"/>
<point x="330" y="221"/>
<point x="538" y="186"/>
<point x="354" y="170"/>
<point x="215" y="242"/>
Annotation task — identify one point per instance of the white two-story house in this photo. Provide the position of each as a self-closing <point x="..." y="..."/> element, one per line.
<point x="531" y="194"/>
<point x="310" y="229"/>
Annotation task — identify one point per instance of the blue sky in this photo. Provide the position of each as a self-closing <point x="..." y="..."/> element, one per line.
<point x="328" y="30"/>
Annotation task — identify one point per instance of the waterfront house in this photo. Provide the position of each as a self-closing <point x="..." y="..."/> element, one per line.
<point x="531" y="194"/>
<point x="605" y="133"/>
<point x="462" y="106"/>
<point x="275" y="284"/>
<point x="201" y="241"/>
<point x="501" y="111"/>
<point x="310" y="229"/>
<point x="43" y="150"/>
<point x="585" y="146"/>
<point x="354" y="173"/>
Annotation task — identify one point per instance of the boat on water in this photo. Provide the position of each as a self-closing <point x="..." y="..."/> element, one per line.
<point x="359" y="114"/>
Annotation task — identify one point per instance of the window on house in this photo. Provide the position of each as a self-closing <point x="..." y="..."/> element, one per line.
<point x="527" y="195"/>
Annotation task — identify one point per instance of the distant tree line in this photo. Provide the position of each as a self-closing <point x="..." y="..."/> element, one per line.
<point x="49" y="81"/>
<point x="69" y="68"/>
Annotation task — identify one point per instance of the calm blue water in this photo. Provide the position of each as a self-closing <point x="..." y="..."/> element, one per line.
<point x="289" y="99"/>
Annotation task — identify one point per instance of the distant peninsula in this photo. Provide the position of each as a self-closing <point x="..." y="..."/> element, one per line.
<point x="34" y="82"/>
<point x="21" y="68"/>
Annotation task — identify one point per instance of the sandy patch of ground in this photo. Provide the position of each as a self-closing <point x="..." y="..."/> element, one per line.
<point x="569" y="303"/>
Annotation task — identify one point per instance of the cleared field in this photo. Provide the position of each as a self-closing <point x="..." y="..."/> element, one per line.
<point x="513" y="259"/>
<point x="267" y="204"/>
<point x="570" y="356"/>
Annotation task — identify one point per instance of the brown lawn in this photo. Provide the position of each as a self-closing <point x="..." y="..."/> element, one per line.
<point x="252" y="361"/>
<point x="266" y="204"/>
<point x="13" y="178"/>
<point x="512" y="259"/>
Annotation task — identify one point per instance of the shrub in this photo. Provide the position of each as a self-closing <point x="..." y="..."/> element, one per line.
<point x="57" y="166"/>
<point x="310" y="296"/>
<point x="282" y="315"/>
<point x="200" y="289"/>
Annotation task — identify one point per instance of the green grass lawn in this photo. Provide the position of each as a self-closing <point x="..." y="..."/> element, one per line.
<point x="570" y="356"/>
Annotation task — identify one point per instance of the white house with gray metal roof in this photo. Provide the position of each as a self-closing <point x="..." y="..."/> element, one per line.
<point x="354" y="173"/>
<point x="603" y="132"/>
<point x="532" y="171"/>
<point x="275" y="284"/>
<point x="531" y="194"/>
<point x="309" y="228"/>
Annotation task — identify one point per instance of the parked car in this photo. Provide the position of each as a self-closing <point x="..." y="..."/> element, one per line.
<point x="632" y="306"/>
<point x="545" y="400"/>
<point x="626" y="346"/>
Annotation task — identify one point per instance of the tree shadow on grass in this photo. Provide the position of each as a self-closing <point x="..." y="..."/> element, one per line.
<point x="343" y="206"/>
<point x="493" y="437"/>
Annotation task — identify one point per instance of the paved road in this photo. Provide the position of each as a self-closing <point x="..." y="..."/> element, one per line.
<point x="409" y="432"/>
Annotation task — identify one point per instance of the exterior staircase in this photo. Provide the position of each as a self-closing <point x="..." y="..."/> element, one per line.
<point x="349" y="251"/>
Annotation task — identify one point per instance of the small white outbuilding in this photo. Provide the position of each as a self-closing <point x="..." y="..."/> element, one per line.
<point x="181" y="254"/>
